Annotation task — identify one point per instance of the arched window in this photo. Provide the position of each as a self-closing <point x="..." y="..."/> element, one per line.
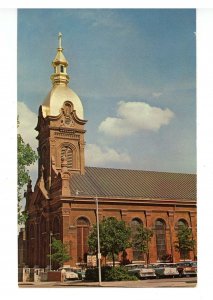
<point x="136" y="253"/>
<point x="66" y="151"/>
<point x="160" y="231"/>
<point x="82" y="237"/>
<point x="182" y="225"/>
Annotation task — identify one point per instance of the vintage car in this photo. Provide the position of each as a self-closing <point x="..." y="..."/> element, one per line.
<point x="70" y="274"/>
<point x="80" y="273"/>
<point x="165" y="270"/>
<point x="140" y="271"/>
<point x="187" y="268"/>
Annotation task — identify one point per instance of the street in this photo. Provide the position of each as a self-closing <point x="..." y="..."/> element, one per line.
<point x="149" y="283"/>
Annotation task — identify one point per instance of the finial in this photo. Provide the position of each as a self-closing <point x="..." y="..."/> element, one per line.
<point x="59" y="40"/>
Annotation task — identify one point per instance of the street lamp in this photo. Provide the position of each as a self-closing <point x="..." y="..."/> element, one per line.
<point x="51" y="250"/>
<point x="99" y="252"/>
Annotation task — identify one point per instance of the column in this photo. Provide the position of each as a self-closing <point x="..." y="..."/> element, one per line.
<point x="152" y="244"/>
<point x="193" y="225"/>
<point x="171" y="234"/>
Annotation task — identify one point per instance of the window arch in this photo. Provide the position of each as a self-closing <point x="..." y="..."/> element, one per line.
<point x="136" y="253"/>
<point x="160" y="231"/>
<point x="181" y="224"/>
<point x="68" y="153"/>
<point x="135" y="223"/>
<point x="82" y="237"/>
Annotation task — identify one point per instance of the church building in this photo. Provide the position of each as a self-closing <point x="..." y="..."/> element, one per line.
<point x="62" y="203"/>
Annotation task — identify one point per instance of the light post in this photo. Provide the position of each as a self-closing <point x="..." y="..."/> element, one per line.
<point x="51" y="250"/>
<point x="99" y="252"/>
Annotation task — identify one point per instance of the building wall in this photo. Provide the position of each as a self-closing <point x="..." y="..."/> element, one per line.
<point x="62" y="222"/>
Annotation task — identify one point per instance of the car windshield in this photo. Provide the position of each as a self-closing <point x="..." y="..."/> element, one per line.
<point x="134" y="266"/>
<point x="66" y="269"/>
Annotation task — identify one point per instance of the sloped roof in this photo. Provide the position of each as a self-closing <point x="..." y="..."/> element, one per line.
<point x="134" y="184"/>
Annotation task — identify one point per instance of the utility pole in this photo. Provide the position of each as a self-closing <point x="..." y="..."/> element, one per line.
<point x="99" y="252"/>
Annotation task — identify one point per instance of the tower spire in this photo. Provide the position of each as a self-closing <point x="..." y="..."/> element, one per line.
<point x="59" y="40"/>
<point x="60" y="65"/>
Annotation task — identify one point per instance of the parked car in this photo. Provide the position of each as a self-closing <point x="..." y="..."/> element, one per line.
<point x="165" y="270"/>
<point x="81" y="273"/>
<point x="70" y="274"/>
<point x="140" y="271"/>
<point x="187" y="268"/>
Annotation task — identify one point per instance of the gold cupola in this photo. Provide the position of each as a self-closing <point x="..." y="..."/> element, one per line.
<point x="60" y="65"/>
<point x="60" y="91"/>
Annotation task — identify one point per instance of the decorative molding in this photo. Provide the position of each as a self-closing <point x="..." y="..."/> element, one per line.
<point x="66" y="211"/>
<point x="69" y="134"/>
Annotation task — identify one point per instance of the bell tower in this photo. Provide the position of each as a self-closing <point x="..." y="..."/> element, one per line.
<point x="60" y="128"/>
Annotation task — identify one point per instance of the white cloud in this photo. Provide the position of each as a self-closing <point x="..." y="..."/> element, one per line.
<point x="132" y="117"/>
<point x="28" y="121"/>
<point x="101" y="156"/>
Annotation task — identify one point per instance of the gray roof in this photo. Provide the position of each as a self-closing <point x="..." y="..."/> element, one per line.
<point x="106" y="182"/>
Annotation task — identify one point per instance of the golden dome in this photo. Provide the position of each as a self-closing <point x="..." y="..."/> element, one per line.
<point x="60" y="92"/>
<point x="56" y="98"/>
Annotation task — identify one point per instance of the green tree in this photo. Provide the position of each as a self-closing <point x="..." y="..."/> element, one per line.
<point x="185" y="242"/>
<point x="141" y="240"/>
<point x="26" y="157"/>
<point x="114" y="237"/>
<point x="60" y="252"/>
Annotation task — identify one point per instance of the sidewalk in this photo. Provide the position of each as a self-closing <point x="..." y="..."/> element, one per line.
<point x="184" y="282"/>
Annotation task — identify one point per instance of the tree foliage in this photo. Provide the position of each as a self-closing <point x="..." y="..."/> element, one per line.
<point x="60" y="252"/>
<point x="185" y="242"/>
<point x="141" y="240"/>
<point x="26" y="157"/>
<point x="114" y="237"/>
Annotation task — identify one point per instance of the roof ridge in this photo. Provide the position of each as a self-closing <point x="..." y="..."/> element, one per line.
<point x="145" y="171"/>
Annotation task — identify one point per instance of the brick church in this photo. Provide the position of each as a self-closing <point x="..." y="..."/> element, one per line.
<point x="62" y="204"/>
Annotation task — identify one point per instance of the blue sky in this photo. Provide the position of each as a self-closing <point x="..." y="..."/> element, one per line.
<point x="135" y="72"/>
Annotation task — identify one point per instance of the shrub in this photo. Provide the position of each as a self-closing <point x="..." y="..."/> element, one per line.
<point x="92" y="273"/>
<point x="118" y="274"/>
<point x="109" y="274"/>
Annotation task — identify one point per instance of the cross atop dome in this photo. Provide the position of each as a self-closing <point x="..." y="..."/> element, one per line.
<point x="59" y="39"/>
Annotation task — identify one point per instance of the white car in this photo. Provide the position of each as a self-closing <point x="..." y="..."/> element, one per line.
<point x="140" y="271"/>
<point x="69" y="273"/>
<point x="165" y="270"/>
